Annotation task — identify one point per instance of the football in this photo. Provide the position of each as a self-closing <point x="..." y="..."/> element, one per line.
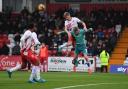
<point x="41" y="7"/>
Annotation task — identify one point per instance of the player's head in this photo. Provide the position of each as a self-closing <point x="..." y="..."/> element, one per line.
<point x="76" y="30"/>
<point x="67" y="16"/>
<point x="80" y="25"/>
<point x="43" y="44"/>
<point x="31" y="27"/>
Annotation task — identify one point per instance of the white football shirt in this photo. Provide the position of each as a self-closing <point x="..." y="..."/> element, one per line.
<point x="72" y="23"/>
<point x="26" y="40"/>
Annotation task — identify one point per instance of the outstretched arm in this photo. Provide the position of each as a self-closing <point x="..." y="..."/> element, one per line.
<point x="84" y="25"/>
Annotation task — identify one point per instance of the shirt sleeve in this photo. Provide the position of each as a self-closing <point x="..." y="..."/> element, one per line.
<point x="77" y="19"/>
<point x="65" y="23"/>
<point x="25" y="36"/>
<point x="34" y="36"/>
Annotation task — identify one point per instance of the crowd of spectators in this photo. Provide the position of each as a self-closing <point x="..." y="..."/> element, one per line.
<point x="107" y="26"/>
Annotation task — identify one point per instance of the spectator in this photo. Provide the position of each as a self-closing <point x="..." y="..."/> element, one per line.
<point x="90" y="48"/>
<point x="104" y="57"/>
<point x="100" y="34"/>
<point x="5" y="50"/>
<point x="126" y="59"/>
<point x="17" y="37"/>
<point x="94" y="46"/>
<point x="118" y="28"/>
<point x="112" y="41"/>
<point x="16" y="49"/>
<point x="25" y="11"/>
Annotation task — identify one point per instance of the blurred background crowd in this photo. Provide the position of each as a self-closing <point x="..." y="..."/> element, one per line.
<point x="107" y="26"/>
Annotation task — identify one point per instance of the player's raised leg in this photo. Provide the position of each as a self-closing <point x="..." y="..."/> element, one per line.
<point x="26" y="42"/>
<point x="17" y="67"/>
<point x="75" y="62"/>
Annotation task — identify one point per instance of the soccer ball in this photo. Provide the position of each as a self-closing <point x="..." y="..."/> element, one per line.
<point x="41" y="7"/>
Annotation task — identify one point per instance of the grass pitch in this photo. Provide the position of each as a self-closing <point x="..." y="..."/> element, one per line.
<point x="65" y="80"/>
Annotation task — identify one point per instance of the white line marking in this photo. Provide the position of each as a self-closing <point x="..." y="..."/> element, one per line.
<point x="85" y="85"/>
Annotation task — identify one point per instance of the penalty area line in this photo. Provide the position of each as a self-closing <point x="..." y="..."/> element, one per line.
<point x="92" y="84"/>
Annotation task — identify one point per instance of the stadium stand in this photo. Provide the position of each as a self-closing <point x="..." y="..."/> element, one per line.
<point x="120" y="50"/>
<point x="107" y="25"/>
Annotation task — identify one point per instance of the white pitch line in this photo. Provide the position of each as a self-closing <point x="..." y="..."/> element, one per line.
<point x="85" y="85"/>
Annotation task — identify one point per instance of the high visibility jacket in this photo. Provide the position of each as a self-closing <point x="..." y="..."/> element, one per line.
<point x="104" y="57"/>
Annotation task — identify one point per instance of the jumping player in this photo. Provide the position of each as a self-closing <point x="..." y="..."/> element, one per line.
<point x="80" y="46"/>
<point x="70" y="22"/>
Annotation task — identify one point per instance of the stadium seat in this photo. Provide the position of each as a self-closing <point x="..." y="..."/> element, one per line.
<point x="118" y="55"/>
<point x="5" y="38"/>
<point x="122" y="45"/>
<point x="116" y="61"/>
<point x="120" y="50"/>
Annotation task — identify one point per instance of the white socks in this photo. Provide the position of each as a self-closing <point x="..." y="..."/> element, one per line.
<point x="35" y="74"/>
<point x="17" y="67"/>
<point x="62" y="46"/>
<point x="32" y="75"/>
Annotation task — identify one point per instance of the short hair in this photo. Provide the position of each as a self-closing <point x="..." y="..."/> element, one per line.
<point x="66" y="14"/>
<point x="30" y="26"/>
<point x="75" y="29"/>
<point x="43" y="43"/>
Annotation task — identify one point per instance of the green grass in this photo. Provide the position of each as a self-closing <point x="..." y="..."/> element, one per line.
<point x="64" y="79"/>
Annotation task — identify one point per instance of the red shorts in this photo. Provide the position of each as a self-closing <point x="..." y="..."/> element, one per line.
<point x="70" y="39"/>
<point x="23" y="57"/>
<point x="31" y="57"/>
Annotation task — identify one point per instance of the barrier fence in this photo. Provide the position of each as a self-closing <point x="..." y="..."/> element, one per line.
<point x="54" y="63"/>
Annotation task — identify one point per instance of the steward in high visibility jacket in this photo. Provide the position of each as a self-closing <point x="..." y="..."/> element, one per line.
<point x="104" y="57"/>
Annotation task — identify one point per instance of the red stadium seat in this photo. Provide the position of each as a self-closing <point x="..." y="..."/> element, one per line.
<point x="5" y="38"/>
<point x="54" y="52"/>
<point x="50" y="53"/>
<point x="1" y="44"/>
